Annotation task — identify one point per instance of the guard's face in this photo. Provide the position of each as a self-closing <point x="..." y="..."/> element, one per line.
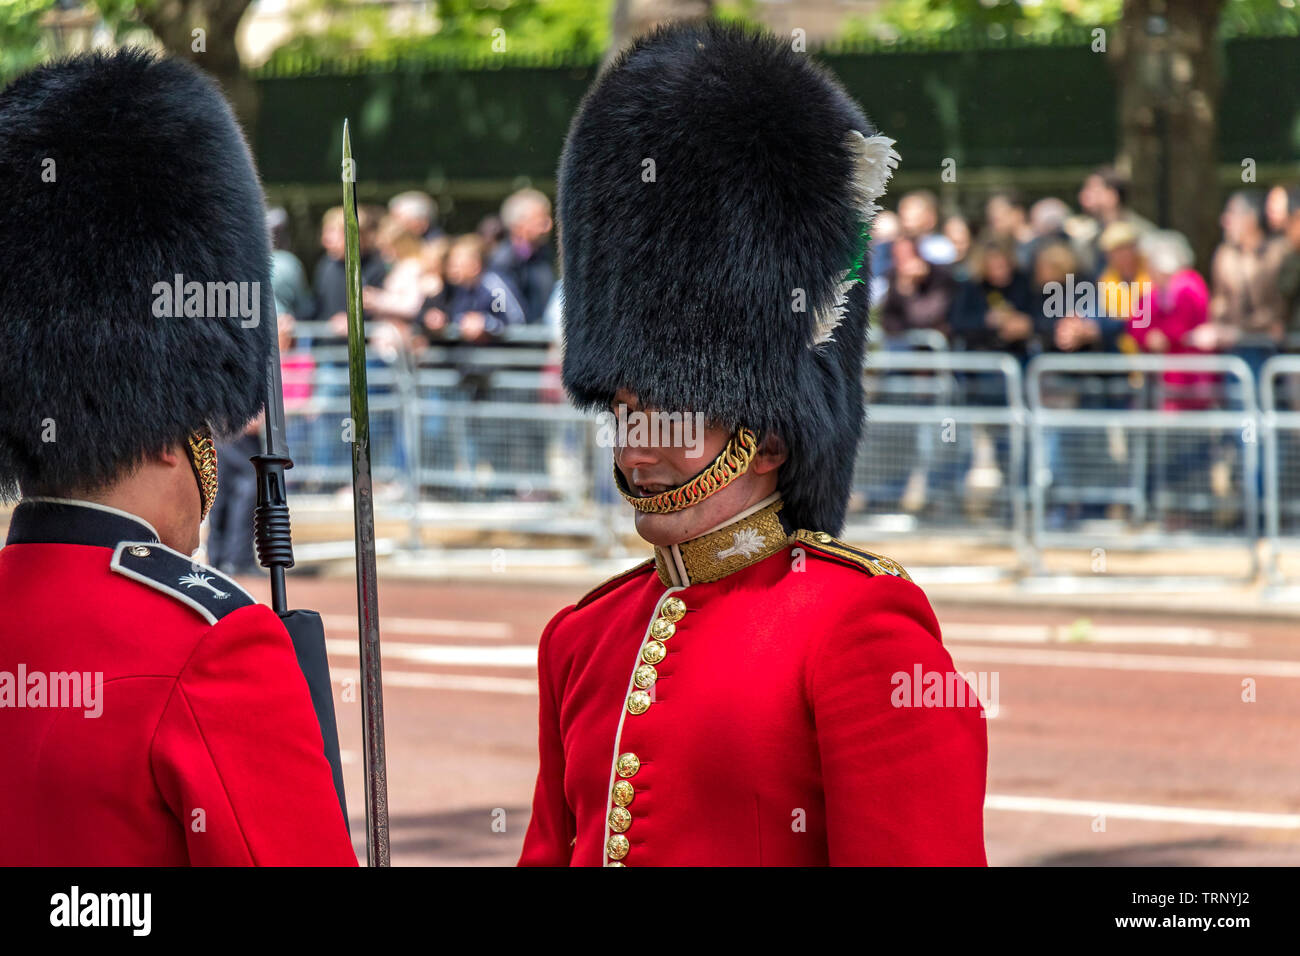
<point x="652" y="468"/>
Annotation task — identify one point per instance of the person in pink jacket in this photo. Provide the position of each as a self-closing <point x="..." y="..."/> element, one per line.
<point x="1168" y="317"/>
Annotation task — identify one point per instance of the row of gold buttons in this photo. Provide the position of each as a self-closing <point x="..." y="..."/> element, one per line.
<point x="638" y="702"/>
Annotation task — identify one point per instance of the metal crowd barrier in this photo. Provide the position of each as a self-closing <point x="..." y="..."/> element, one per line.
<point x="942" y="451"/>
<point x="1143" y="453"/>
<point x="1073" y="455"/>
<point x="1280" y="430"/>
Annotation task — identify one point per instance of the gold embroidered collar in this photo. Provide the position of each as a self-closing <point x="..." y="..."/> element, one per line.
<point x="744" y="540"/>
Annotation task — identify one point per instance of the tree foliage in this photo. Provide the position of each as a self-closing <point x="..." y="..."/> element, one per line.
<point x="1004" y="18"/>
<point x="460" y="28"/>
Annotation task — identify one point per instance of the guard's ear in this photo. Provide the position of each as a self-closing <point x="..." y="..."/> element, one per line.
<point x="172" y="456"/>
<point x="771" y="455"/>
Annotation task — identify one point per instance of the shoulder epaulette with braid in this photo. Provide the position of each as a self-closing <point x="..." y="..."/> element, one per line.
<point x="833" y="547"/>
<point x="609" y="583"/>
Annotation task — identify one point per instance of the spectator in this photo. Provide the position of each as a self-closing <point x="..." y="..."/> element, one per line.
<point x="397" y="302"/>
<point x="1047" y="220"/>
<point x="1103" y="199"/>
<point x="1277" y="210"/>
<point x="884" y="230"/>
<point x="525" y="258"/>
<point x="417" y="213"/>
<point x="491" y="230"/>
<point x="992" y="308"/>
<point x="1288" y="277"/>
<point x="1288" y="281"/>
<point x="1063" y="325"/>
<point x="475" y="302"/>
<point x="330" y="282"/>
<point x="1006" y="220"/>
<point x="1124" y="280"/>
<point x="297" y="371"/>
<point x="230" y="523"/>
<point x="1178" y="304"/>
<point x="288" y="277"/>
<point x="957" y="231"/>
<point x="1246" y="303"/>
<point x="920" y="294"/>
<point x="918" y="219"/>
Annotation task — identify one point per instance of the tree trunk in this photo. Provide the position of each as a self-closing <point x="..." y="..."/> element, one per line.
<point x="173" y="22"/>
<point x="1168" y="76"/>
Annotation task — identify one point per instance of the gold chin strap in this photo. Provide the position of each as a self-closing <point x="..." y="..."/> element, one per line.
<point x="203" y="456"/>
<point x="732" y="462"/>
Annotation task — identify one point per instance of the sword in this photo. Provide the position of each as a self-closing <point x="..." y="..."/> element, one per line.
<point x="363" y="510"/>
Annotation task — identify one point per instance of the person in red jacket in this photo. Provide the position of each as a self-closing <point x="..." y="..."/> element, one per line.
<point x="151" y="711"/>
<point x="759" y="692"/>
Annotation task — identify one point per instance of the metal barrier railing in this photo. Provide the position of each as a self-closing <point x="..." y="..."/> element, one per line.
<point x="942" y="450"/>
<point x="1169" y="458"/>
<point x="1280" y="432"/>
<point x="1070" y="452"/>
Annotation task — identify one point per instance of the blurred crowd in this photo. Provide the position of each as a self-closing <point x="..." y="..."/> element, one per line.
<point x="1043" y="277"/>
<point x="420" y="285"/>
<point x="1024" y="279"/>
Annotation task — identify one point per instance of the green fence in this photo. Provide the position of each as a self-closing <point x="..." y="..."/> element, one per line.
<point x="1016" y="107"/>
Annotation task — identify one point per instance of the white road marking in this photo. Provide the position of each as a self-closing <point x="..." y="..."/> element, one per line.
<point x="1141" y="811"/>
<point x="1086" y="633"/>
<point x="425" y="627"/>
<point x="1125" y="662"/>
<point x="498" y="655"/>
<point x="422" y="681"/>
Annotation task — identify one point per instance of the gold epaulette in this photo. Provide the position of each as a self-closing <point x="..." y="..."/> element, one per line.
<point x="832" y="546"/>
<point x="608" y="583"/>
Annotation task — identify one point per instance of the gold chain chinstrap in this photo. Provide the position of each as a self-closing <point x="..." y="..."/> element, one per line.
<point x="731" y="463"/>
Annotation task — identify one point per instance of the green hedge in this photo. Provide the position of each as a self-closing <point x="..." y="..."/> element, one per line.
<point x="1015" y="105"/>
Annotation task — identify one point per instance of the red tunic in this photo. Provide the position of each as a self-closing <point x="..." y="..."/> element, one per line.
<point x="772" y="735"/>
<point x="205" y="749"/>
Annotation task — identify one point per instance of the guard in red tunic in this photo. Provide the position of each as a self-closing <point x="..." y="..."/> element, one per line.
<point x="760" y="692"/>
<point x="151" y="712"/>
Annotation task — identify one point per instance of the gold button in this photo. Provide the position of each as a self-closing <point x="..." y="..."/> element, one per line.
<point x="619" y="819"/>
<point x="624" y="793"/>
<point x="139" y="551"/>
<point x="628" y="764"/>
<point x="661" y="629"/>
<point x="638" y="702"/>
<point x="673" y="609"/>
<point x="617" y="846"/>
<point x="616" y="863"/>
<point x="654" y="652"/>
<point x="823" y="537"/>
<point x="645" y="676"/>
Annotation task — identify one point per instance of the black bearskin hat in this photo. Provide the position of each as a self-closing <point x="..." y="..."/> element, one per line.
<point x="714" y="197"/>
<point x="122" y="172"/>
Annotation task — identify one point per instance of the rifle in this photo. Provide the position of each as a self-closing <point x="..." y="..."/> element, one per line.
<point x="273" y="541"/>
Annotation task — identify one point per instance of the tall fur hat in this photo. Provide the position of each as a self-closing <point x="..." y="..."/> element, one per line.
<point x="714" y="197"/>
<point x="123" y="171"/>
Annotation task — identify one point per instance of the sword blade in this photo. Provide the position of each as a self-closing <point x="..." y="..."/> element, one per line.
<point x="372" y="698"/>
